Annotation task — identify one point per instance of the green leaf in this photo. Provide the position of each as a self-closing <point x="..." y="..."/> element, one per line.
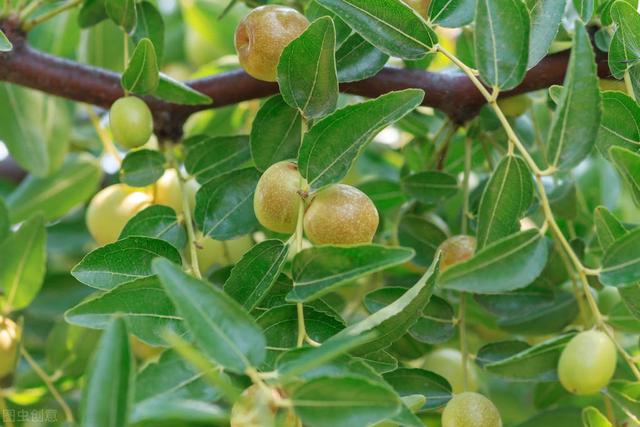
<point x="143" y="303"/>
<point x="108" y="392"/>
<point x="621" y="262"/>
<point x="624" y="50"/>
<point x="631" y="298"/>
<point x="452" y="13"/>
<point x="22" y="264"/>
<point x="608" y="228"/>
<point x="408" y="381"/>
<point x="210" y="157"/>
<point x="501" y="42"/>
<point x="92" y="12"/>
<point x="218" y="324"/>
<point x="591" y="417"/>
<point x="343" y="402"/>
<point x="390" y="25"/>
<point x="141" y="76"/>
<point x="157" y="412"/>
<point x="505" y="200"/>
<point x="546" y="16"/>
<point x="384" y="193"/>
<point x="142" y="167"/>
<point x="224" y="205"/>
<point x="430" y="187"/>
<point x="5" y="223"/>
<point x="150" y="25"/>
<point x="254" y="275"/>
<point x="157" y="222"/>
<point x="567" y="416"/>
<point x="626" y="394"/>
<point x="307" y="70"/>
<point x="393" y="321"/>
<point x="320" y="270"/>
<point x="276" y="133"/>
<point x="332" y="145"/>
<point x="519" y="361"/>
<point x="5" y="44"/>
<point x="507" y="264"/>
<point x="620" y="123"/>
<point x="58" y="193"/>
<point x="123" y="261"/>
<point x="123" y="13"/>
<point x="577" y="118"/>
<point x="628" y="165"/>
<point x="422" y="235"/>
<point x="357" y="59"/>
<point x="172" y="90"/>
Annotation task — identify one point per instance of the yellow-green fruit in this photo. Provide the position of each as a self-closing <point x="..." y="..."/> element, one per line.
<point x="9" y="342"/>
<point x="447" y="362"/>
<point x="420" y="6"/>
<point x="608" y="297"/>
<point x="131" y="122"/>
<point x="612" y="84"/>
<point x="587" y="363"/>
<point x="218" y="253"/>
<point x="276" y="201"/>
<point x="111" y="208"/>
<point x="341" y="214"/>
<point x="470" y="410"/>
<point x="262" y="36"/>
<point x="142" y="350"/>
<point x="168" y="191"/>
<point x="456" y="249"/>
<point x="514" y="106"/>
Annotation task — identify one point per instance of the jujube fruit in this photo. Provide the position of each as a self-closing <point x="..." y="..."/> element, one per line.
<point x="218" y="253"/>
<point x="341" y="214"/>
<point x="587" y="363"/>
<point x="456" y="249"/>
<point x="142" y="350"/>
<point x="131" y="122"/>
<point x="514" y="106"/>
<point x="168" y="190"/>
<point x="447" y="362"/>
<point x="276" y="201"/>
<point x="470" y="410"/>
<point x="110" y="210"/>
<point x="262" y="36"/>
<point x="9" y="344"/>
<point x="420" y="6"/>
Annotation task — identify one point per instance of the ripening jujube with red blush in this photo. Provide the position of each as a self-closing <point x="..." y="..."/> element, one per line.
<point x="276" y="201"/>
<point x="341" y="214"/>
<point x="262" y="36"/>
<point x="470" y="410"/>
<point x="131" y="122"/>
<point x="456" y="249"/>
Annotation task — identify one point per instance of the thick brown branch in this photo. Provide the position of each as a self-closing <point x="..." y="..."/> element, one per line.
<point x="449" y="91"/>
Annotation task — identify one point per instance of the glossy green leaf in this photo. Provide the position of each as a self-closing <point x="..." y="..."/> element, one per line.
<point x="576" y="120"/>
<point x="156" y="412"/>
<point x="143" y="303"/>
<point x="150" y="25"/>
<point x="546" y="16"/>
<point x="501" y="42"/>
<point x="620" y="123"/>
<point x="592" y="417"/>
<point x="210" y="157"/>
<point x="627" y="163"/>
<point x="624" y="50"/>
<point x="332" y="145"/>
<point x="123" y="13"/>
<point x="224" y="205"/>
<point x="141" y="76"/>
<point x="621" y="262"/>
<point x="630" y="296"/>
<point x="107" y="394"/>
<point x="174" y="91"/>
<point x="390" y="25"/>
<point x="276" y="133"/>
<point x="315" y="11"/>
<point x="142" y="167"/>
<point x="157" y="222"/>
<point x="408" y="381"/>
<point x="384" y="193"/>
<point x="92" y="12"/>
<point x="565" y="416"/>
<point x="507" y="264"/>
<point x="5" y="222"/>
<point x="584" y="8"/>
<point x="5" y="44"/>
<point x="430" y="186"/>
<point x="517" y="360"/>
<point x="319" y="270"/>
<point x="123" y="261"/>
<point x="608" y="228"/>
<point x="55" y="195"/>
<point x="307" y="70"/>
<point x="343" y="402"/>
<point x="357" y="59"/>
<point x="22" y="264"/>
<point x="452" y="13"/>
<point x="253" y="276"/>
<point x="505" y="199"/>
<point x="422" y="235"/>
<point x="218" y="324"/>
<point x="626" y="394"/>
<point x="622" y="318"/>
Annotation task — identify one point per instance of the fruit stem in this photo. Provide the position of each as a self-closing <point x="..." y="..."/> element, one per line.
<point x="465" y="185"/>
<point x="462" y="325"/>
<point x="107" y="141"/>
<point x="297" y="241"/>
<point x="609" y="408"/>
<point x="27" y="26"/>
<point x="49" y="383"/>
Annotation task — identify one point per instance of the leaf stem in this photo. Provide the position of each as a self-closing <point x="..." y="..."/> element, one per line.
<point x="27" y="26"/>
<point x="49" y="383"/>
<point x="297" y="242"/>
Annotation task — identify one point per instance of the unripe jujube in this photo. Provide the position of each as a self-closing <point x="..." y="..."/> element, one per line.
<point x="341" y="214"/>
<point x="262" y="36"/>
<point x="168" y="190"/>
<point x="587" y="363"/>
<point x="447" y="362"/>
<point x="456" y="249"/>
<point x="276" y="201"/>
<point x="131" y="122"/>
<point x="470" y="410"/>
<point x="9" y="343"/>
<point x="514" y="106"/>
<point x="110" y="210"/>
<point x="212" y="252"/>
